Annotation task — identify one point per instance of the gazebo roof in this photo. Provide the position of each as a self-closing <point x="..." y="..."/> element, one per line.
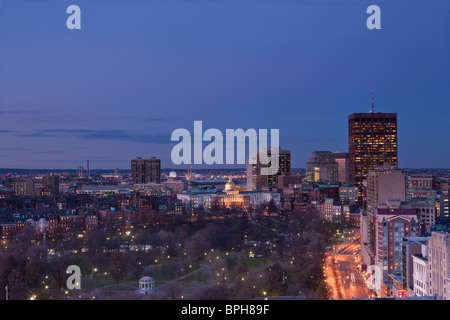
<point x="146" y="279"/>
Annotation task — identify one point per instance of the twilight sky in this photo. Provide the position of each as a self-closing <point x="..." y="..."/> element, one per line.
<point x="137" y="70"/>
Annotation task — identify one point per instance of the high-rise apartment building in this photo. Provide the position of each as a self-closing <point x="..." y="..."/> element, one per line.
<point x="52" y="182"/>
<point x="389" y="226"/>
<point x="145" y="170"/>
<point x="372" y="141"/>
<point x="384" y="184"/>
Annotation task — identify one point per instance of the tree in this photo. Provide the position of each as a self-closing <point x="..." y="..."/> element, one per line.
<point x="217" y="235"/>
<point x="315" y="278"/>
<point x="34" y="270"/>
<point x="240" y="270"/>
<point x="95" y="241"/>
<point x="272" y="207"/>
<point x="117" y="266"/>
<point x="197" y="247"/>
<point x="17" y="288"/>
<point x="248" y="288"/>
<point x="134" y="263"/>
<point x="182" y="233"/>
<point x="8" y="263"/>
<point x="58" y="269"/>
<point x="173" y="290"/>
<point x="167" y="239"/>
<point x="211" y="292"/>
<point x="75" y="243"/>
<point x="272" y="283"/>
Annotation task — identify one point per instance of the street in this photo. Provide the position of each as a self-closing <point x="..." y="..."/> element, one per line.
<point x="342" y="276"/>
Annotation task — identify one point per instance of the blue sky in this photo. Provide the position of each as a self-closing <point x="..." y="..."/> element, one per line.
<point x="137" y="70"/>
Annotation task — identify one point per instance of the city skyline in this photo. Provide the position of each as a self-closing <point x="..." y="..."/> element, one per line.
<point x="117" y="88"/>
<point x="220" y="151"/>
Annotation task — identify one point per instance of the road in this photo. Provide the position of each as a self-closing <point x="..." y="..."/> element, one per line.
<point x="343" y="279"/>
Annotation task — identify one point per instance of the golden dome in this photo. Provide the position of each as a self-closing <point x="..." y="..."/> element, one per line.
<point x="230" y="185"/>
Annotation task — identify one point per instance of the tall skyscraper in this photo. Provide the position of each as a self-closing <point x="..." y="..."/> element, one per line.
<point x="372" y="141"/>
<point x="145" y="170"/>
<point x="255" y="181"/>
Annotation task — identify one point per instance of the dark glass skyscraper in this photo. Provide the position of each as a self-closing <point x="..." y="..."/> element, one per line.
<point x="372" y="141"/>
<point x="255" y="181"/>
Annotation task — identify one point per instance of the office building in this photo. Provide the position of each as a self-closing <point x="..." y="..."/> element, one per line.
<point x="23" y="187"/>
<point x="341" y="159"/>
<point x="422" y="182"/>
<point x="321" y="167"/>
<point x="256" y="180"/>
<point x="372" y="141"/>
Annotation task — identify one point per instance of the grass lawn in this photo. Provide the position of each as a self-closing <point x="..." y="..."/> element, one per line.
<point x="195" y="278"/>
<point x="254" y="262"/>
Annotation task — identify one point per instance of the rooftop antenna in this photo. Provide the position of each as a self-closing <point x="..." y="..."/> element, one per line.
<point x="373" y="104"/>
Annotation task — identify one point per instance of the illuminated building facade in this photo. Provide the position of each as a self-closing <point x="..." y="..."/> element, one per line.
<point x="229" y="197"/>
<point x="23" y="187"/>
<point x="444" y="206"/>
<point x="372" y="142"/>
<point x="422" y="182"/>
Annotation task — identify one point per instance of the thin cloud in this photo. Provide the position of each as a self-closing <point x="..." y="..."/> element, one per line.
<point x="121" y="135"/>
<point x="22" y="112"/>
